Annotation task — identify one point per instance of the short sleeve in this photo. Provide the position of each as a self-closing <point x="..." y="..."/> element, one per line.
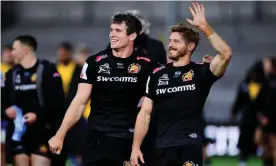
<point x="88" y="72"/>
<point x="154" y="65"/>
<point x="209" y="77"/>
<point x="150" y="88"/>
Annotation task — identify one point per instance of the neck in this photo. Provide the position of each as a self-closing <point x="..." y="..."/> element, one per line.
<point x="11" y="64"/>
<point x="29" y="61"/>
<point x="65" y="62"/>
<point x="8" y="63"/>
<point x="123" y="52"/>
<point x="182" y="61"/>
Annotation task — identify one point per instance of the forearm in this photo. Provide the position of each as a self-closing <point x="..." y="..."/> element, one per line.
<point x="217" y="42"/>
<point x="141" y="128"/>
<point x="71" y="117"/>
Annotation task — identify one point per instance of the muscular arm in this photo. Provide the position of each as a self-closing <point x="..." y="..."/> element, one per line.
<point x="220" y="62"/>
<point x="76" y="109"/>
<point x="142" y="123"/>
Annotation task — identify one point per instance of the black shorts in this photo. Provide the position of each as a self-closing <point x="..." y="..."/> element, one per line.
<point x="102" y="150"/>
<point x="186" y="155"/>
<point x="28" y="148"/>
<point x="35" y="141"/>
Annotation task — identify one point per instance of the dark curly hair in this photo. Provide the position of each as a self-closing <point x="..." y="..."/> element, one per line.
<point x="133" y="24"/>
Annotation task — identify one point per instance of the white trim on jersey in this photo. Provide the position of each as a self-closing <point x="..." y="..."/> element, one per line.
<point x="147" y="86"/>
<point x="83" y="71"/>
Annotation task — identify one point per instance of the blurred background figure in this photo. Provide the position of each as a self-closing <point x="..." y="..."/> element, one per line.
<point x="248" y="91"/>
<point x="82" y="53"/>
<point x="70" y="70"/>
<point x="31" y="109"/>
<point x="266" y="113"/>
<point x="7" y="62"/>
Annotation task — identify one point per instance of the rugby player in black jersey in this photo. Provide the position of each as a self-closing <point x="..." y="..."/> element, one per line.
<point x="118" y="78"/>
<point x="177" y="92"/>
<point x="33" y="103"/>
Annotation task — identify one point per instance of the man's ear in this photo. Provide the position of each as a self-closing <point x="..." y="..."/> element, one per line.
<point x="133" y="36"/>
<point x="191" y="46"/>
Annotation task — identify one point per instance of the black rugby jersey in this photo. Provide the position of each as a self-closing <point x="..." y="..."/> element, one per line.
<point x="118" y="85"/>
<point x="21" y="89"/>
<point x="179" y="94"/>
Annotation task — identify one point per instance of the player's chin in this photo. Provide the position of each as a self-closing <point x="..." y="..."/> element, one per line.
<point x="172" y="57"/>
<point x="115" y="46"/>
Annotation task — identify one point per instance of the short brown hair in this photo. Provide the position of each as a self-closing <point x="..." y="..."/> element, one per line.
<point x="188" y="33"/>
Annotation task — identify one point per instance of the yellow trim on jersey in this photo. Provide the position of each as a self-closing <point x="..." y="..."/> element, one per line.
<point x="253" y="90"/>
<point x="66" y="72"/>
<point x="5" y="68"/>
<point x="87" y="111"/>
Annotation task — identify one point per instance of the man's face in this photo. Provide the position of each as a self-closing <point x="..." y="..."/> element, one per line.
<point x="63" y="54"/>
<point x="7" y="56"/>
<point x="177" y="46"/>
<point x="18" y="51"/>
<point x="118" y="36"/>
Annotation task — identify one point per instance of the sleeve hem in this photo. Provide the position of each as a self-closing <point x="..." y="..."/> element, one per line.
<point x="148" y="96"/>
<point x="85" y="82"/>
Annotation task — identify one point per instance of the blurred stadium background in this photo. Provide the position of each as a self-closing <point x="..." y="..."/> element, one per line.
<point x="249" y="28"/>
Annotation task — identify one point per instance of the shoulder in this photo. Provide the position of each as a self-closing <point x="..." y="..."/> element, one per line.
<point x="160" y="69"/>
<point x="47" y="63"/>
<point x="15" y="68"/>
<point x="48" y="66"/>
<point x="201" y="68"/>
<point x="50" y="69"/>
<point x="200" y="65"/>
<point x="98" y="57"/>
<point x="9" y="72"/>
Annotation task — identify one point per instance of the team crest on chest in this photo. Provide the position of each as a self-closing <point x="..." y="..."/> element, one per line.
<point x="105" y="68"/>
<point x="189" y="163"/>
<point x="134" y="68"/>
<point x="188" y="76"/>
<point x="126" y="163"/>
<point x="33" y="78"/>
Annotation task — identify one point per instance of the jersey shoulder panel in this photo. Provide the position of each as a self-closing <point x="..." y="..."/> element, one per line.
<point x="98" y="57"/>
<point x="144" y="59"/>
<point x="159" y="69"/>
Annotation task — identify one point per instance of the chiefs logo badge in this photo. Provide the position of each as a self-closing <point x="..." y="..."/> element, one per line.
<point x="134" y="68"/>
<point x="189" y="163"/>
<point x="188" y="76"/>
